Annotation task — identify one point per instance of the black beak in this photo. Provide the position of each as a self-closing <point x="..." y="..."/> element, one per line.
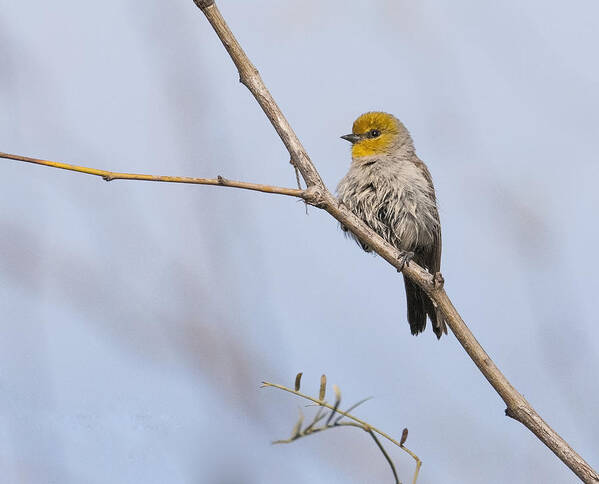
<point x="352" y="138"/>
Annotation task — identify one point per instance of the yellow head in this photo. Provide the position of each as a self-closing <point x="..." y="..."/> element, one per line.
<point x="377" y="133"/>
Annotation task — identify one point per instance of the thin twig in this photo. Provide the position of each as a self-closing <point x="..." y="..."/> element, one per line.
<point x="350" y="424"/>
<point x="358" y="423"/>
<point x="382" y="449"/>
<point x="345" y="414"/>
<point x="299" y="183"/>
<point x="355" y="405"/>
<point x="111" y="175"/>
<point x="317" y="418"/>
<point x="316" y="430"/>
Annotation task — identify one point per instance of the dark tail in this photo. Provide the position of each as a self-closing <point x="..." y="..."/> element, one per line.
<point x="419" y="307"/>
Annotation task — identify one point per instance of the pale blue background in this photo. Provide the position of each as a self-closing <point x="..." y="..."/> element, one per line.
<point x="138" y="319"/>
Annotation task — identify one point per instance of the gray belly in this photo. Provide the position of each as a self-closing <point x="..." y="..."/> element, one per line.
<point x="403" y="216"/>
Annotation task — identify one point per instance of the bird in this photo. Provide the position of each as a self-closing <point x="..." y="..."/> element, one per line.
<point x="391" y="190"/>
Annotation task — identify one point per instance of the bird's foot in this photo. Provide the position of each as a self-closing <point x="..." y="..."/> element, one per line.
<point x="438" y="280"/>
<point x="405" y="259"/>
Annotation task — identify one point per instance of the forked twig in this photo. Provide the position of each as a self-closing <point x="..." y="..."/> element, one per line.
<point x="313" y="427"/>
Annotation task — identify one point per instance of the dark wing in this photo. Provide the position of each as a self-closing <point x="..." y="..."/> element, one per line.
<point x="431" y="257"/>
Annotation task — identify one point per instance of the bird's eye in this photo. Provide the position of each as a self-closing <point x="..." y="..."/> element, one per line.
<point x="374" y="133"/>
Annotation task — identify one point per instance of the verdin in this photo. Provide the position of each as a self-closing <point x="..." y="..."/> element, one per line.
<point x="392" y="191"/>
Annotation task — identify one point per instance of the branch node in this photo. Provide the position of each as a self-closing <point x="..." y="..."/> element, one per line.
<point x="246" y="77"/>
<point x="314" y="195"/>
<point x="203" y="4"/>
<point x="512" y="413"/>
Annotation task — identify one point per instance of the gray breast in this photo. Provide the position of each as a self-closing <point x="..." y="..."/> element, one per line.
<point x="394" y="199"/>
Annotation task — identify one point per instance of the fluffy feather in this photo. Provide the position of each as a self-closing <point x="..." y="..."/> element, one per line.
<point x="392" y="191"/>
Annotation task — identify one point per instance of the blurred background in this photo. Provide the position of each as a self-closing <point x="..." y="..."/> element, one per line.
<point x="138" y="319"/>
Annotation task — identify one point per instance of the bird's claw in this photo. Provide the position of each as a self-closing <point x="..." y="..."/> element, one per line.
<point x="405" y="259"/>
<point x="438" y="280"/>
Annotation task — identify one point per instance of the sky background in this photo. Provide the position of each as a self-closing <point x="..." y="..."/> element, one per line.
<point x="138" y="319"/>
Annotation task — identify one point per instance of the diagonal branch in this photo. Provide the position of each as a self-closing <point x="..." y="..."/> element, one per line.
<point x="250" y="77"/>
<point x="111" y="175"/>
<point x="517" y="406"/>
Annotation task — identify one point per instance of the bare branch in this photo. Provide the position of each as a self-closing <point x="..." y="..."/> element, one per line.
<point x="517" y="406"/>
<point x="110" y="175"/>
<point x="250" y="77"/>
